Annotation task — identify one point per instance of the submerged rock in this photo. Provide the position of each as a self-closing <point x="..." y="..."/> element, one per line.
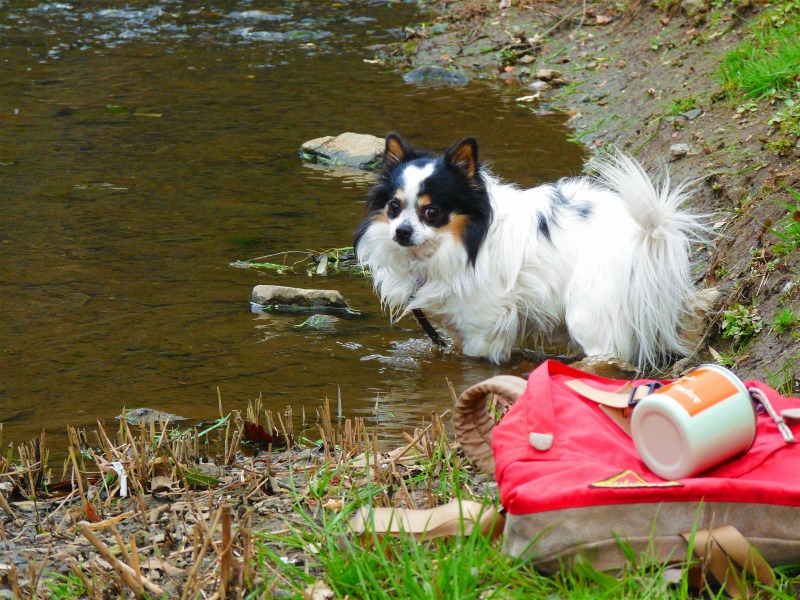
<point x="356" y="150"/>
<point x="436" y="75"/>
<point x="606" y="365"/>
<point x="326" y="322"/>
<point x="149" y="415"/>
<point x="289" y="299"/>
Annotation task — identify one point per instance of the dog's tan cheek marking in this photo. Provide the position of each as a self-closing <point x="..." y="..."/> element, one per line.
<point x="382" y="217"/>
<point x="456" y="225"/>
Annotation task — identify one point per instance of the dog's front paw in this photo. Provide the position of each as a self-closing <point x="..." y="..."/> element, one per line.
<point x="476" y="347"/>
<point x="493" y="351"/>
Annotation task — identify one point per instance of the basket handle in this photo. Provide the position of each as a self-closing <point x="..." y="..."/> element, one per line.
<point x="472" y="422"/>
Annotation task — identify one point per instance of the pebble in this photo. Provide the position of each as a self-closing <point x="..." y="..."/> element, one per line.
<point x="677" y="151"/>
<point x="538" y="86"/>
<point x="548" y="74"/>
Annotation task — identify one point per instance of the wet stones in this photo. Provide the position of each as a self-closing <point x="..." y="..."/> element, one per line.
<point x="356" y="150"/>
<point x="434" y="75"/>
<point x="149" y="415"/>
<point x="547" y="78"/>
<point x="290" y="299"/>
<point x="551" y="76"/>
<point x="677" y="151"/>
<point x="606" y="365"/>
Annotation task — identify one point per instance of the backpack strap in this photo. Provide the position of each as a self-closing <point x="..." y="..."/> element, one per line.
<point x="616" y="405"/>
<point x="728" y="556"/>
<point x="624" y="397"/>
<point x="457" y="517"/>
<point x="472" y="421"/>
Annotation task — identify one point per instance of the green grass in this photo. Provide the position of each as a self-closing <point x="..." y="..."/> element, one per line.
<point x="787" y="230"/>
<point x="785" y="320"/>
<point x="319" y="550"/>
<point x="682" y="105"/>
<point x="66" y="587"/>
<point x="786" y="380"/>
<point x="767" y="65"/>
<point x="469" y="566"/>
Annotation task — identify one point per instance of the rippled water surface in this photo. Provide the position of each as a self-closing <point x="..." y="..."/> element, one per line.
<point x="145" y="146"/>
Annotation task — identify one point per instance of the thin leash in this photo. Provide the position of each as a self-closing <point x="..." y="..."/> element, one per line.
<point x="429" y="329"/>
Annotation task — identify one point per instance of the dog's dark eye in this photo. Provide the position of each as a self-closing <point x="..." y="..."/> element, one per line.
<point x="431" y="213"/>
<point x="393" y="208"/>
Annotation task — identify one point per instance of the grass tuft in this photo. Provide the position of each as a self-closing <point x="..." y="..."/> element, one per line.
<point x="765" y="66"/>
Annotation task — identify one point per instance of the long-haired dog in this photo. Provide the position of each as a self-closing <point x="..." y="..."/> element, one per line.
<point x="604" y="258"/>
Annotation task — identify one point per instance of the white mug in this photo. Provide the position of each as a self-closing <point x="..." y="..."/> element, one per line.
<point x="694" y="423"/>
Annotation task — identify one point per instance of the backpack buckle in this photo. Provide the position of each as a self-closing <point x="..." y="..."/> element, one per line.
<point x="641" y="391"/>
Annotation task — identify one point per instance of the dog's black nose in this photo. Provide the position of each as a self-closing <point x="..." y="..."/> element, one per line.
<point x="403" y="233"/>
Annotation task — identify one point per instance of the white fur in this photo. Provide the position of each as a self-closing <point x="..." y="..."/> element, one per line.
<point x="619" y="279"/>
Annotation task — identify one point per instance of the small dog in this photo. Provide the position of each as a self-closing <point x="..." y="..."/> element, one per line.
<point x="604" y="260"/>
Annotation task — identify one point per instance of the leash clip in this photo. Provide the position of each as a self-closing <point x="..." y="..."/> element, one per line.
<point x="763" y="404"/>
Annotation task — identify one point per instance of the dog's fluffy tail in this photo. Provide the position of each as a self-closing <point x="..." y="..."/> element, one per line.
<point x="658" y="272"/>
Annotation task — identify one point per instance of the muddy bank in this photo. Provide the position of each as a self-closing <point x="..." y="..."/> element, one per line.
<point x="644" y="80"/>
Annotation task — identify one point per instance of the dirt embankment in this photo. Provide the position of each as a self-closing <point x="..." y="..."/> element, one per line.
<point x="644" y="79"/>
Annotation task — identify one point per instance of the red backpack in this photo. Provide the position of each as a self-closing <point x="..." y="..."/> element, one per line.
<point x="573" y="484"/>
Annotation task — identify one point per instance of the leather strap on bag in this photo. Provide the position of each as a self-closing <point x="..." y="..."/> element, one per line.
<point x="458" y="517"/>
<point x="729" y="557"/>
<point x="472" y="422"/>
<point x="617" y="405"/>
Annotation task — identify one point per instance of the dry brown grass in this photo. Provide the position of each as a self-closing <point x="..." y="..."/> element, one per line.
<point x="188" y="527"/>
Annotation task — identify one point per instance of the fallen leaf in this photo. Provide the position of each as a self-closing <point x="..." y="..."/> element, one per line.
<point x="504" y="4"/>
<point x="91" y="513"/>
<point x="318" y="591"/>
<point x="197" y="478"/>
<point x="333" y="504"/>
<point x="255" y="432"/>
<point x="603" y="19"/>
<point x="161" y="483"/>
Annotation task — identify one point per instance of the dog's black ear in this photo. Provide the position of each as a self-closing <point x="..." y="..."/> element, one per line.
<point x="463" y="156"/>
<point x="397" y="150"/>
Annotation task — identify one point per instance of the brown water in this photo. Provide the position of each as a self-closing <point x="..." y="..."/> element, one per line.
<point x="143" y="149"/>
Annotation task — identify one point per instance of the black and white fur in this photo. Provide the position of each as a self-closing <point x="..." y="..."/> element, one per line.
<point x="604" y="258"/>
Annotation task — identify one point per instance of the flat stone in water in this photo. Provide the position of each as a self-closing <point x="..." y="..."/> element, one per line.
<point x="280" y="298"/>
<point x="149" y="415"/>
<point x="357" y="150"/>
<point x="606" y="365"/>
<point x="436" y="75"/>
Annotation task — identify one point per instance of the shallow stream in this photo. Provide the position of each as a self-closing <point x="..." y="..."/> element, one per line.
<point x="145" y="146"/>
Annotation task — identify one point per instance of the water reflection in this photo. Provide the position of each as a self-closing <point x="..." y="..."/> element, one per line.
<point x="142" y="150"/>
